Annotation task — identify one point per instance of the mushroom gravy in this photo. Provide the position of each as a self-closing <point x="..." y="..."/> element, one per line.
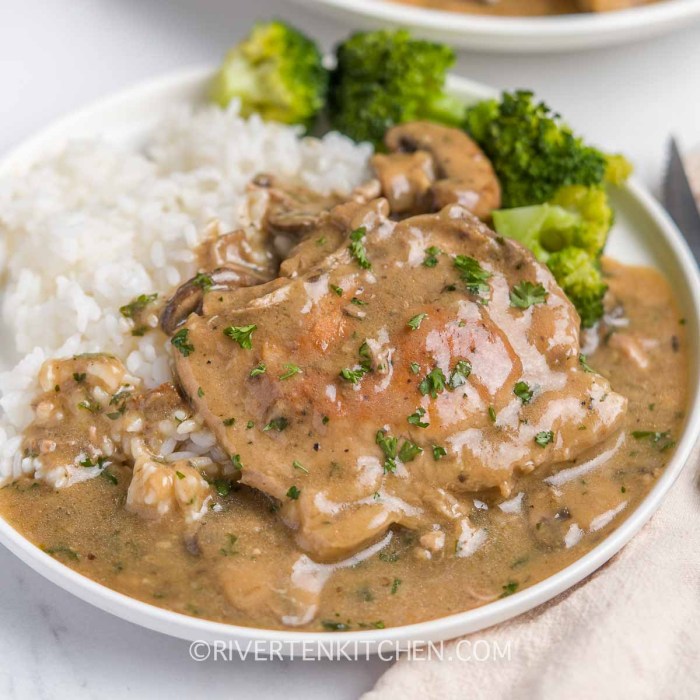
<point x="525" y="8"/>
<point x="245" y="567"/>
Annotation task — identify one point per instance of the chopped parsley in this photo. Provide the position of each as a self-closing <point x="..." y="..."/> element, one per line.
<point x="337" y="290"/>
<point x="544" y="438"/>
<point x="90" y="405"/>
<point x="395" y="586"/>
<point x="62" y="549"/>
<point x="141" y="302"/>
<point x="241" y="334"/>
<point x="358" y="302"/>
<point x="298" y="465"/>
<point x="492" y="414"/>
<point x="526" y="294"/>
<point x="389" y="446"/>
<point x="179" y="475"/>
<point x="293" y="493"/>
<point x="228" y="422"/>
<point x="334" y="626"/>
<point x="278" y="424"/>
<point x="257" y="371"/>
<point x="357" y="248"/>
<point x="431" y="256"/>
<point x="179" y="341"/>
<point x="200" y="392"/>
<point x="106" y="474"/>
<point x="415" y="322"/>
<point x="363" y="367"/>
<point x="473" y="275"/>
<point x="290" y="370"/>
<point x="79" y="377"/>
<point x="250" y="424"/>
<point x="223" y="487"/>
<point x="229" y="550"/>
<point x="662" y="440"/>
<point x="583" y="361"/>
<point x="433" y="383"/>
<point x="415" y="418"/>
<point x="510" y="588"/>
<point x="460" y="374"/>
<point x="439" y="452"/>
<point x="415" y="367"/>
<point x="523" y="391"/>
<point x="236" y="461"/>
<point x="353" y="375"/>
<point x="409" y="451"/>
<point x="203" y="281"/>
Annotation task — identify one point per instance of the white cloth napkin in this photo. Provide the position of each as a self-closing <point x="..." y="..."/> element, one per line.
<point x="631" y="630"/>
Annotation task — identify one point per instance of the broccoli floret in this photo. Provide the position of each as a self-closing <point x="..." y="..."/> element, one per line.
<point x="568" y="234"/>
<point x="617" y="169"/>
<point x="594" y="216"/>
<point x="542" y="228"/>
<point x="532" y="151"/>
<point x="579" y="275"/>
<point x="277" y="72"/>
<point x="385" y="78"/>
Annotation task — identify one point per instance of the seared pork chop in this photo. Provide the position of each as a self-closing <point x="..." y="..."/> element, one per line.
<point x="391" y="369"/>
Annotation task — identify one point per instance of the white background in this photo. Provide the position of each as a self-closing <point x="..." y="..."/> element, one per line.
<point x="56" y="55"/>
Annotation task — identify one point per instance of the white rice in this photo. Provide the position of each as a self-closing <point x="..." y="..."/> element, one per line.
<point x="85" y="232"/>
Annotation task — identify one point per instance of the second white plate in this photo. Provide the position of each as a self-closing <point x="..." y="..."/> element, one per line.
<point x="516" y="34"/>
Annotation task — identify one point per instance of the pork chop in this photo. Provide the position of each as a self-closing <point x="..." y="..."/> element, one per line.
<point x="390" y="370"/>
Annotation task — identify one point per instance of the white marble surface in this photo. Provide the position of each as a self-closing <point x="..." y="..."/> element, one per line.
<point x="56" y="55"/>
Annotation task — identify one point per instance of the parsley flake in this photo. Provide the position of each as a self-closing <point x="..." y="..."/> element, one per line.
<point x="415" y="418"/>
<point x="241" y="334"/>
<point x="544" y="438"/>
<point x="415" y="322"/>
<point x="473" y="275"/>
<point x="179" y="341"/>
<point x="523" y="391"/>
<point x="439" y="452"/>
<point x="257" y="371"/>
<point x="290" y="370"/>
<point x="357" y="248"/>
<point x="583" y="361"/>
<point x="278" y="424"/>
<point x="433" y="383"/>
<point x="431" y="254"/>
<point x="133" y="307"/>
<point x="298" y="465"/>
<point x="460" y="374"/>
<point x="526" y="294"/>
<point x="203" y="281"/>
<point x="293" y="493"/>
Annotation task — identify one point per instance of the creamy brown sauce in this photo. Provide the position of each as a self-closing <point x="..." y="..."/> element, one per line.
<point x="245" y="550"/>
<point x="525" y="8"/>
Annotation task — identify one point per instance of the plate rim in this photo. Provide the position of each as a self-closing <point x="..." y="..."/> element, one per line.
<point x="444" y="628"/>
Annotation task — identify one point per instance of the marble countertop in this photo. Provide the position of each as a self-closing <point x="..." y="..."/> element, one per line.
<point x="52" y="645"/>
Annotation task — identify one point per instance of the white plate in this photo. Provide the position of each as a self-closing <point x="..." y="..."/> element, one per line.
<point x="643" y="233"/>
<point x="516" y="34"/>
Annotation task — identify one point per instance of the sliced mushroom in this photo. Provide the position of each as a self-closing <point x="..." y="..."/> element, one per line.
<point x="463" y="174"/>
<point x="189" y="297"/>
<point x="293" y="210"/>
<point x="407" y="180"/>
